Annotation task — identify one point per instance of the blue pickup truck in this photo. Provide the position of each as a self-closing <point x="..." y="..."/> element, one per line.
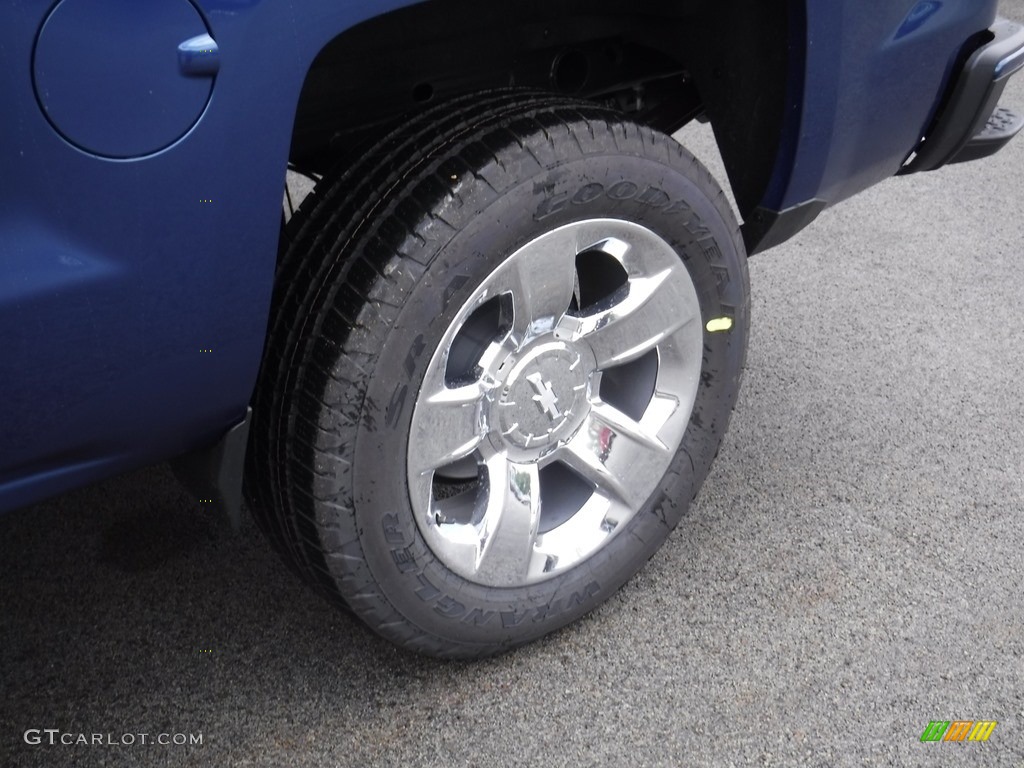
<point x="471" y="383"/>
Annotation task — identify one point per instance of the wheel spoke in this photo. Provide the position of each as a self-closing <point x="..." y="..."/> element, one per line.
<point x="541" y="280"/>
<point x="618" y="455"/>
<point x="654" y="307"/>
<point x="448" y="427"/>
<point x="510" y="523"/>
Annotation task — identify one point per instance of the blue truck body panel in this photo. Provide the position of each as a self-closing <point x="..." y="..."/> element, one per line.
<point x="137" y="249"/>
<point x="874" y="74"/>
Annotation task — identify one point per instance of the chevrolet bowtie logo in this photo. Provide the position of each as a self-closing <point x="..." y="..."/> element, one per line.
<point x="545" y="397"/>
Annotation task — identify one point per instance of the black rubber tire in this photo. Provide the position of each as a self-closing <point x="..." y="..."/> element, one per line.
<point x="376" y="265"/>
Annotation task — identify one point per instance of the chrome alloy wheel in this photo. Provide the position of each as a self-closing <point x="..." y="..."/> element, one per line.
<point x="553" y="406"/>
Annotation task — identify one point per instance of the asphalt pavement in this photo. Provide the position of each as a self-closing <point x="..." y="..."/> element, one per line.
<point x="852" y="570"/>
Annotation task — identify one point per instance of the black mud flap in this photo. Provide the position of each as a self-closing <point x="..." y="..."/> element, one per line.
<point x="214" y="474"/>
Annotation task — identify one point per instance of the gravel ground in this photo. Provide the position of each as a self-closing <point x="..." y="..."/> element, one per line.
<point x="852" y="569"/>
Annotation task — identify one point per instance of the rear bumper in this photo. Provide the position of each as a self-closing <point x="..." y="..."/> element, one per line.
<point x="971" y="125"/>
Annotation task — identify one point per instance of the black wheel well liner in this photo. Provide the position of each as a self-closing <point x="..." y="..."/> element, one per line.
<point x="665" y="62"/>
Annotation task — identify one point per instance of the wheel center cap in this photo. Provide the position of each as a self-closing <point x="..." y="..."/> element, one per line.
<point x="543" y="398"/>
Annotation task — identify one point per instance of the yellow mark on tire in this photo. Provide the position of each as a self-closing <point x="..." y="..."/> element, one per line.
<point x="719" y="324"/>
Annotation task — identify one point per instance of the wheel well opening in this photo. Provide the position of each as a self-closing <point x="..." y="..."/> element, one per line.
<point x="374" y="73"/>
<point x="662" y="62"/>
